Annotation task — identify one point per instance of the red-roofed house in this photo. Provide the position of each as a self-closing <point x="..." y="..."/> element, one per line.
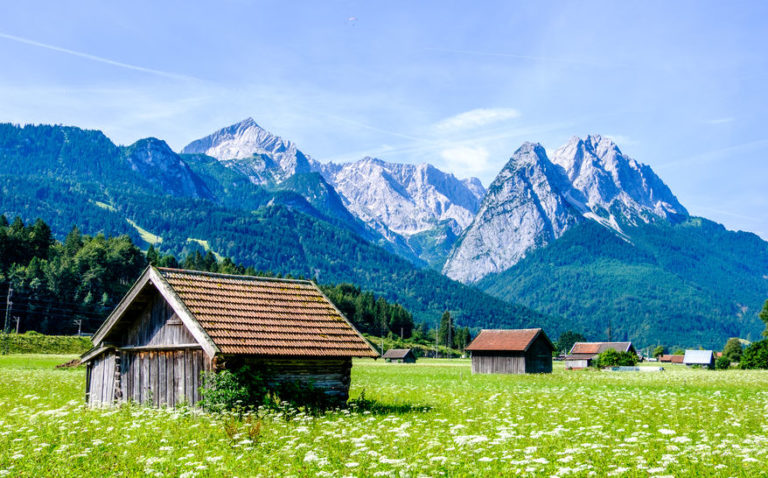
<point x="511" y="351"/>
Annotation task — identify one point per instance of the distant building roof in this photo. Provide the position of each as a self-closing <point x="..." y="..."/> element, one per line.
<point x="506" y="340"/>
<point x="698" y="357"/>
<point x="397" y="353"/>
<point x="671" y="358"/>
<point x="584" y="349"/>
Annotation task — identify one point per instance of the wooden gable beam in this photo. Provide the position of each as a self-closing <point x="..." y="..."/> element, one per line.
<point x="116" y="314"/>
<point x="187" y="318"/>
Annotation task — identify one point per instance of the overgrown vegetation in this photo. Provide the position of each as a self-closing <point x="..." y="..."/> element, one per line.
<point x="755" y="356"/>
<point x="434" y="418"/>
<point x="612" y="358"/>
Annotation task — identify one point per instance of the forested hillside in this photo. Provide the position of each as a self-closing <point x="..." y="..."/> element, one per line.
<point x="693" y="283"/>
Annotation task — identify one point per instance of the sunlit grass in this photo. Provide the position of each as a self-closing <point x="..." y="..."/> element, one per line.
<point x="430" y="418"/>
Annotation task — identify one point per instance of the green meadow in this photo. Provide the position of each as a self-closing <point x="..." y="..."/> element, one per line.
<point x="433" y="418"/>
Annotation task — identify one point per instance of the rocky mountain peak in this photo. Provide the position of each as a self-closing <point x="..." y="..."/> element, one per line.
<point x="262" y="156"/>
<point x="535" y="199"/>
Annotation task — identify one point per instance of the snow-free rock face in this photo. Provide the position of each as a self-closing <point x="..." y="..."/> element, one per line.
<point x="406" y="198"/>
<point x="524" y="208"/>
<point x="534" y="200"/>
<point x="254" y="151"/>
<point x="157" y="162"/>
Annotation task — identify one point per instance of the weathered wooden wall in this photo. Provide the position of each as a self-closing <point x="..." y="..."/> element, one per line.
<point x="156" y="362"/>
<point x="538" y="357"/>
<point x="152" y="377"/>
<point x="101" y="378"/>
<point x="162" y="378"/>
<point x="331" y="375"/>
<point x="498" y="362"/>
<point x="157" y="324"/>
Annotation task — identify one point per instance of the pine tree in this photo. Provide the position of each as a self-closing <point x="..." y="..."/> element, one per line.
<point x="446" y="331"/>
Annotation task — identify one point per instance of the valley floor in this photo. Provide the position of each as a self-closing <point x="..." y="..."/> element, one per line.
<point x="430" y="418"/>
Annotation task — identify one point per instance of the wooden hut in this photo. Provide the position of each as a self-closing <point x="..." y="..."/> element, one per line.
<point x="511" y="351"/>
<point x="582" y="353"/>
<point x="399" y="356"/>
<point x="174" y="324"/>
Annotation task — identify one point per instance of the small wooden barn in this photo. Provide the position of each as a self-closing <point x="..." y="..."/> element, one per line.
<point x="702" y="358"/>
<point x="172" y="325"/>
<point x="399" y="355"/>
<point x="582" y="353"/>
<point x="511" y="351"/>
<point x="671" y="358"/>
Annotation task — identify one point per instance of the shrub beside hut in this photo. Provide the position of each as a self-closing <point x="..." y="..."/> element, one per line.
<point x="174" y="325"/>
<point x="511" y="351"/>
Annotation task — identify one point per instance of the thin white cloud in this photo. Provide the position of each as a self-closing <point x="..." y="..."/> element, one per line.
<point x="476" y="118"/>
<point x="465" y="160"/>
<point x="720" y="121"/>
<point x="99" y="59"/>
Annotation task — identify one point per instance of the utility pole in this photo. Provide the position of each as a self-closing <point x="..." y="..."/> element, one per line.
<point x="8" y="305"/>
<point x="18" y="321"/>
<point x="437" y="335"/>
<point x="79" y="323"/>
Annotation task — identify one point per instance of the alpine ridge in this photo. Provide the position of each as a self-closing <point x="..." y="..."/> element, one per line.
<point x="416" y="209"/>
<point x="534" y="200"/>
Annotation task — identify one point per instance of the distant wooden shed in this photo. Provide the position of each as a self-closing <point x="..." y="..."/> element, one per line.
<point x="582" y="353"/>
<point x="399" y="355"/>
<point x="511" y="351"/>
<point x="173" y="324"/>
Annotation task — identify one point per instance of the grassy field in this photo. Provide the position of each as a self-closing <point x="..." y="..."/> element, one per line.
<point x="430" y="419"/>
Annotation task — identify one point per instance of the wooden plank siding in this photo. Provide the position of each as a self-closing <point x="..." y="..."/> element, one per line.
<point x="331" y="375"/>
<point x="498" y="362"/>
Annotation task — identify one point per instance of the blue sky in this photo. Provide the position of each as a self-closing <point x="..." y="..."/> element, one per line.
<point x="680" y="86"/>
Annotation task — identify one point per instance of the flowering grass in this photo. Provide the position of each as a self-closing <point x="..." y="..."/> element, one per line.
<point x="433" y="418"/>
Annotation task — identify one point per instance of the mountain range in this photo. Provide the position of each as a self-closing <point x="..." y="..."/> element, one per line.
<point x="585" y="234"/>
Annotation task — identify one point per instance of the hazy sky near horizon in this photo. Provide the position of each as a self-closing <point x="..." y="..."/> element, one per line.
<point x="680" y="86"/>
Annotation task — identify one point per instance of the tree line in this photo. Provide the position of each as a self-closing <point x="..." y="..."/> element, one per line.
<point x="60" y="288"/>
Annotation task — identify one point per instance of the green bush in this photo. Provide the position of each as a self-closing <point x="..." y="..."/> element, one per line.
<point x="723" y="363"/>
<point x="233" y="390"/>
<point x="612" y="358"/>
<point x="36" y="343"/>
<point x="755" y="356"/>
